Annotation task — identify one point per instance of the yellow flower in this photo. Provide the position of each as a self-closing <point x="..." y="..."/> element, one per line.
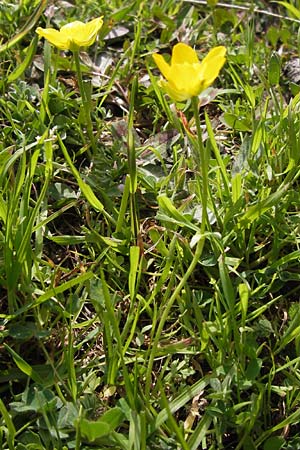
<point x="186" y="76"/>
<point x="72" y="35"/>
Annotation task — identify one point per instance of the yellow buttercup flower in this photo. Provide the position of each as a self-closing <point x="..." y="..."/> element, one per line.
<point x="73" y="35"/>
<point x="186" y="76"/>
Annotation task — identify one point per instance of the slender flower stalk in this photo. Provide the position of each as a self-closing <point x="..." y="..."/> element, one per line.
<point x="85" y="101"/>
<point x="202" y="162"/>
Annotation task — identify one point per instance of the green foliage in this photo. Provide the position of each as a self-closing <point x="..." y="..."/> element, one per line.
<point x="150" y="287"/>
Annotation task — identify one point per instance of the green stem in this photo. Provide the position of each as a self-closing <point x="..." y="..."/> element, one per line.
<point x="133" y="183"/>
<point x="132" y="163"/>
<point x="85" y="102"/>
<point x="202" y="163"/>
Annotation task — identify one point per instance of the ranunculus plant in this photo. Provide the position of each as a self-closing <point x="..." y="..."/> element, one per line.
<point x="185" y="77"/>
<point x="73" y="36"/>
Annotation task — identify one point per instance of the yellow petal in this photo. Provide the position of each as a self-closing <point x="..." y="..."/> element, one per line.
<point x="163" y="66"/>
<point x="93" y="27"/>
<point x="213" y="53"/>
<point x="72" y="27"/>
<point x="54" y="37"/>
<point x="89" y="33"/>
<point x="83" y="34"/>
<point x="210" y="68"/>
<point x="184" y="76"/>
<point x="183" y="53"/>
<point x="172" y="91"/>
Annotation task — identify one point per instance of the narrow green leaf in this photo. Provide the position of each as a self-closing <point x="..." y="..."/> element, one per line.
<point x="27" y="60"/>
<point x="123" y="206"/>
<point x="181" y="400"/>
<point x="291" y="8"/>
<point x="292" y="419"/>
<point x="24" y="366"/>
<point x="236" y="186"/>
<point x="244" y="299"/>
<point x="274" y="69"/>
<point x="85" y="188"/>
<point x="11" y="431"/>
<point x="3" y="209"/>
<point x="51" y="292"/>
<point x="199" y="432"/>
<point x="226" y="283"/>
<point x="171" y="214"/>
<point x="67" y="240"/>
<point x="262" y="206"/>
